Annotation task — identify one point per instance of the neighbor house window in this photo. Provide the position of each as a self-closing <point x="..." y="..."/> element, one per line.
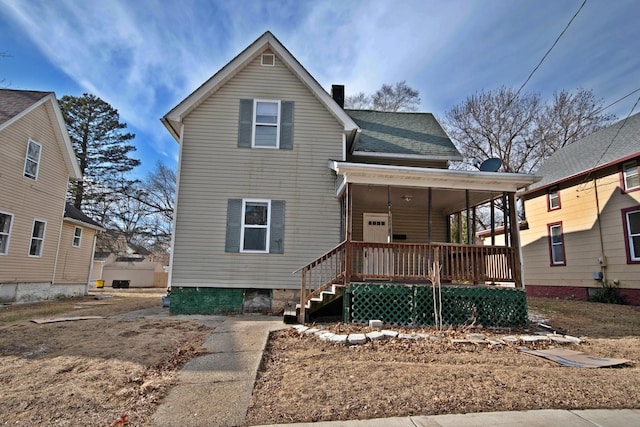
<point x="37" y="238"/>
<point x="77" y="237"/>
<point x="255" y="226"/>
<point x="5" y="232"/>
<point x="631" y="222"/>
<point x="553" y="197"/>
<point x="266" y="121"/>
<point x="556" y="244"/>
<point x="32" y="161"/>
<point x="630" y="178"/>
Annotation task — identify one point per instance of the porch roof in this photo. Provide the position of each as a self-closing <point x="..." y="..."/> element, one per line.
<point x="405" y="176"/>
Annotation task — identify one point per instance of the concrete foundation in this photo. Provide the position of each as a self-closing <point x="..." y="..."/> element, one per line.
<point x="33" y="292"/>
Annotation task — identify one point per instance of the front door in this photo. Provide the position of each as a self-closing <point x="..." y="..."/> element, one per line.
<point x="378" y="261"/>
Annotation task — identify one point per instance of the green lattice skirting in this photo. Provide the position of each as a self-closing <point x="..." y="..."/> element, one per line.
<point x="412" y="305"/>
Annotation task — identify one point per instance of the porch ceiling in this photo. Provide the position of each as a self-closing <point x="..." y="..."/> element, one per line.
<point x="405" y="176"/>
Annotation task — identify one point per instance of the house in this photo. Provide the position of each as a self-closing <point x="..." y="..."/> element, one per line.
<point x="583" y="217"/>
<point x="275" y="177"/>
<point x="45" y="245"/>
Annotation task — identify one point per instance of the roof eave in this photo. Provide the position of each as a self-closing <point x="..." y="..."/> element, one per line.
<point x="408" y="156"/>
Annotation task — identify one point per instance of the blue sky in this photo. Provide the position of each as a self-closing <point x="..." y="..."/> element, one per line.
<point x="144" y="56"/>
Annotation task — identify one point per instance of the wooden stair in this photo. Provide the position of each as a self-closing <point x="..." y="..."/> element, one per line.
<point x="315" y="303"/>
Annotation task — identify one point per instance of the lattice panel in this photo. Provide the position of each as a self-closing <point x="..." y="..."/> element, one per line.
<point x="413" y="305"/>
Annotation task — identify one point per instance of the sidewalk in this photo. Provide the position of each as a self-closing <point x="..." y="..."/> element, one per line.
<point x="215" y="389"/>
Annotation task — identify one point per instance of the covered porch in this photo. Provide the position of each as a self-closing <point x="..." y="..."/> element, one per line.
<point x="397" y="221"/>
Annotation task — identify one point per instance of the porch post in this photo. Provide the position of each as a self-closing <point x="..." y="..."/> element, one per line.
<point x="505" y="218"/>
<point x="493" y="221"/>
<point x="468" y="219"/>
<point x="515" y="240"/>
<point x="429" y="224"/>
<point x="349" y="220"/>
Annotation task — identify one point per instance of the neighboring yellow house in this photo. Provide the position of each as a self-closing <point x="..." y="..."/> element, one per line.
<point x="584" y="217"/>
<point x="45" y="247"/>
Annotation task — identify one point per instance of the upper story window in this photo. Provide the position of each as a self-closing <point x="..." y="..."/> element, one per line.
<point x="556" y="244"/>
<point x="630" y="178"/>
<point x="631" y="222"/>
<point x="37" y="238"/>
<point x="266" y="121"/>
<point x="5" y="232"/>
<point x="77" y="237"/>
<point x="32" y="161"/>
<point x="553" y="198"/>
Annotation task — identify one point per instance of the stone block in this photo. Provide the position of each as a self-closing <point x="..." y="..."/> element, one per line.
<point x="311" y="331"/>
<point x="357" y="339"/>
<point x="408" y="336"/>
<point x="375" y="324"/>
<point x="326" y="336"/>
<point x="375" y="335"/>
<point x="389" y="333"/>
<point x="339" y="339"/>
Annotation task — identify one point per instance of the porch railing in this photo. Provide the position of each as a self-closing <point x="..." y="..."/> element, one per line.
<point x="406" y="262"/>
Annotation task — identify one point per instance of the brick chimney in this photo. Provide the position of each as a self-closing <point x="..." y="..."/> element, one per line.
<point x="337" y="93"/>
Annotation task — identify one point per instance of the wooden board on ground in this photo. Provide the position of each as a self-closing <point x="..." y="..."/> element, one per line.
<point x="65" y="319"/>
<point x="574" y="358"/>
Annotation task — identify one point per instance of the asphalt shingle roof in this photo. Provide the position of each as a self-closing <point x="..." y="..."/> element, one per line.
<point x="72" y="212"/>
<point x="13" y="102"/>
<point x="402" y="133"/>
<point x="620" y="140"/>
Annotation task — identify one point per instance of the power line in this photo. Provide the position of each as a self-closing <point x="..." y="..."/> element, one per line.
<point x="616" y="101"/>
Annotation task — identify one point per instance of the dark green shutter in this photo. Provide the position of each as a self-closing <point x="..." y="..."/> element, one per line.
<point x="245" y="124"/>
<point x="234" y="224"/>
<point x="276" y="240"/>
<point x="286" y="125"/>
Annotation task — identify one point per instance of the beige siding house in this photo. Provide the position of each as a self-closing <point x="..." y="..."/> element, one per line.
<point x="37" y="161"/>
<point x="583" y="217"/>
<point x="275" y="177"/>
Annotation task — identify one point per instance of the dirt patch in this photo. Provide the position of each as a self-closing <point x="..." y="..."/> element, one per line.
<point x="90" y="372"/>
<point x="303" y="379"/>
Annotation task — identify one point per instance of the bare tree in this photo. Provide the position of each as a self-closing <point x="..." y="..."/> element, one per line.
<point x="399" y="97"/>
<point x="520" y="129"/>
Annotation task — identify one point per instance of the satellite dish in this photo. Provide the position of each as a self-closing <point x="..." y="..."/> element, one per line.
<point x="491" y="165"/>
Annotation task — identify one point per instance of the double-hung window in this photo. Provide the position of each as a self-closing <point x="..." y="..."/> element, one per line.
<point x="553" y="198"/>
<point x="255" y="226"/>
<point x="630" y="178"/>
<point x="77" y="237"/>
<point x="5" y="232"/>
<point x="556" y="244"/>
<point x="266" y="131"/>
<point x="631" y="222"/>
<point x="37" y="238"/>
<point x="32" y="160"/>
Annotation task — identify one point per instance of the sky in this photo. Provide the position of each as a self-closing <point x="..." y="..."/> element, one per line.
<point x="145" y="56"/>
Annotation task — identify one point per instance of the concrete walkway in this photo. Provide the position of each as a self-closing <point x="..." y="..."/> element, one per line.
<point x="215" y="389"/>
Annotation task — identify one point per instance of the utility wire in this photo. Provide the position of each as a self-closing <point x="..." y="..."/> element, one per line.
<point x="616" y="101"/>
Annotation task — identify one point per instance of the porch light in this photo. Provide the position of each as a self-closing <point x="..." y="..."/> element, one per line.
<point x="407" y="198"/>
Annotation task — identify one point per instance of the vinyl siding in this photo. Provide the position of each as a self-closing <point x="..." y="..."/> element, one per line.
<point x="579" y="215"/>
<point x="27" y="199"/>
<point x="74" y="262"/>
<point x="410" y="221"/>
<point x="213" y="169"/>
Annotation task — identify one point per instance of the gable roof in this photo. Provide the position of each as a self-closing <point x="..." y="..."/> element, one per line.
<point x="15" y="104"/>
<point x="402" y="135"/>
<point x="74" y="214"/>
<point x="173" y="118"/>
<point x="608" y="146"/>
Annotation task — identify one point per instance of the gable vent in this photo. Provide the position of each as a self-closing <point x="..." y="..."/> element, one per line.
<point x="268" y="59"/>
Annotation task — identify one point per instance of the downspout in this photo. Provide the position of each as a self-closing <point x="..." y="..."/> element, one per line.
<point x="603" y="259"/>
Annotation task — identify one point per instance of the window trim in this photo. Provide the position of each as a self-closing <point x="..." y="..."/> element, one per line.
<point x="76" y="237"/>
<point x="552" y="263"/>
<point x="555" y="189"/>
<point x="623" y="180"/>
<point x="8" y="233"/>
<point x="267" y="226"/>
<point x="255" y="124"/>
<point x="41" y="239"/>
<point x="36" y="161"/>
<point x="627" y="236"/>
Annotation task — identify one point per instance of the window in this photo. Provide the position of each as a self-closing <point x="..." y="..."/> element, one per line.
<point x="32" y="161"/>
<point x="631" y="222"/>
<point x="5" y="232"/>
<point x="630" y="178"/>
<point x="77" y="237"/>
<point x="255" y="226"/>
<point x="553" y="198"/>
<point x="556" y="244"/>
<point x="267" y="124"/>
<point x="37" y="238"/>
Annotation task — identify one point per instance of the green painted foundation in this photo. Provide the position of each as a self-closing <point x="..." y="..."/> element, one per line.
<point x="206" y="300"/>
<point x="413" y="305"/>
